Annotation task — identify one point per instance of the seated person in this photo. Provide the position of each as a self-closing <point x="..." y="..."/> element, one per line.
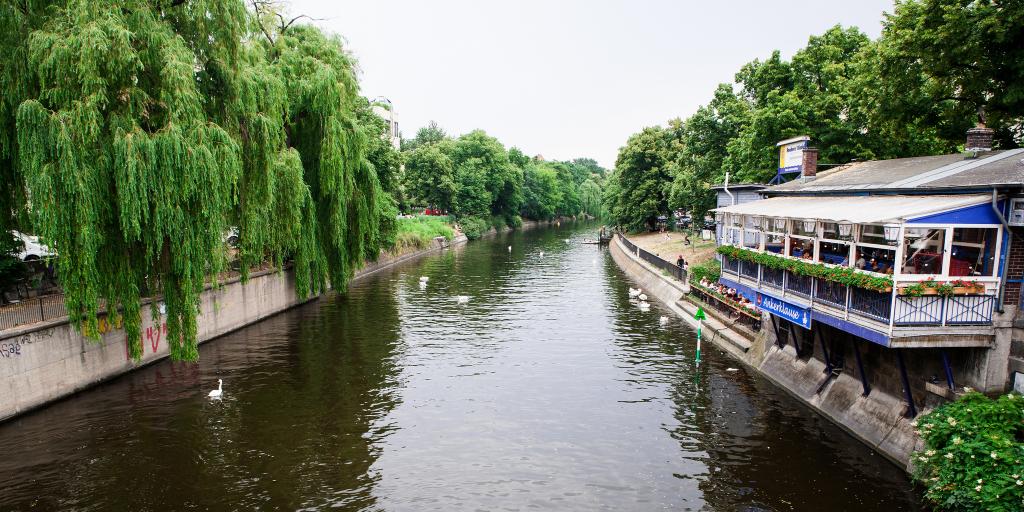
<point x="860" y="263"/>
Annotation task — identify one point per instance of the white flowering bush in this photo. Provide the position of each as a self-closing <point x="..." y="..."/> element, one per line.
<point x="973" y="458"/>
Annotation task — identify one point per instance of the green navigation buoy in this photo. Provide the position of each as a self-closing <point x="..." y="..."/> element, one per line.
<point x="699" y="317"/>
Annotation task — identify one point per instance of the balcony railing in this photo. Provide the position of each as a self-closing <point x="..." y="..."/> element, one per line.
<point x="749" y="269"/>
<point x="831" y="293"/>
<point x="881" y="307"/>
<point x="799" y="285"/>
<point x="773" y="277"/>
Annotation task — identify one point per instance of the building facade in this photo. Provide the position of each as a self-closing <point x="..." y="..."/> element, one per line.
<point x="906" y="273"/>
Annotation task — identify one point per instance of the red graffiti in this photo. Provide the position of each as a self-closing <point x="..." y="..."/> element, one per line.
<point x="153" y="334"/>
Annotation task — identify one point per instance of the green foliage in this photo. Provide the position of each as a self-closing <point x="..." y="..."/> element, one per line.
<point x="638" y="189"/>
<point x="974" y="454"/>
<point x="430" y="134"/>
<point x="142" y="131"/>
<point x="541" y="192"/>
<point x="710" y="270"/>
<point x="971" y="55"/>
<point x="914" y="91"/>
<point x="842" y="275"/>
<point x="590" y="198"/>
<point x="418" y="232"/>
<point x="430" y="175"/>
<point x="11" y="268"/>
<point x="474" y="227"/>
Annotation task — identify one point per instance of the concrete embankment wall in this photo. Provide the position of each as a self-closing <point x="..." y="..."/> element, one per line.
<point x="51" y="360"/>
<point x="876" y="419"/>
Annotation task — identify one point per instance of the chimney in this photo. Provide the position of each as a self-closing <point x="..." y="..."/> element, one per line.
<point x="979" y="139"/>
<point x="810" y="163"/>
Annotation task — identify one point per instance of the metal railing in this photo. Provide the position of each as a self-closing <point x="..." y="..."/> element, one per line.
<point x="749" y="270"/>
<point x="870" y="304"/>
<point x="900" y="310"/>
<point x="951" y="310"/>
<point x="30" y="311"/>
<point x="671" y="268"/>
<point x="775" y="277"/>
<point x="830" y="292"/>
<point x="799" y="285"/>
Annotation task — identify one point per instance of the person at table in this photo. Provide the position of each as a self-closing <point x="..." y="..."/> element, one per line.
<point x="873" y="265"/>
<point x="860" y="264"/>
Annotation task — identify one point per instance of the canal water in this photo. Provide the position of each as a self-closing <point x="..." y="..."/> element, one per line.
<point x="547" y="390"/>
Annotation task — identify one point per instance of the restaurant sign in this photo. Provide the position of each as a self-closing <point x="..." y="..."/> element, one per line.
<point x="791" y="154"/>
<point x="796" y="314"/>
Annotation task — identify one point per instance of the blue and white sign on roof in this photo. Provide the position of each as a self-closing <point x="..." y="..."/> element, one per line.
<point x="791" y="154"/>
<point x="792" y="312"/>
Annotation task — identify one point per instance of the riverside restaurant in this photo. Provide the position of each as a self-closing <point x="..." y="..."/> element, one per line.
<point x="882" y="267"/>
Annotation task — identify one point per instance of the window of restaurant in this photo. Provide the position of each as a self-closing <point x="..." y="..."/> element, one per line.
<point x="923" y="250"/>
<point x="774" y="242"/>
<point x="973" y="252"/>
<point x="801" y="247"/>
<point x="874" y="258"/>
<point x="836" y="253"/>
<point x="751" y="239"/>
<point x="733" y="236"/>
<point x="874" y="234"/>
<point x="805" y="228"/>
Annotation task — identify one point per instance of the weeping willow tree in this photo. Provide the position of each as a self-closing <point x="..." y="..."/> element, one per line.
<point x="136" y="133"/>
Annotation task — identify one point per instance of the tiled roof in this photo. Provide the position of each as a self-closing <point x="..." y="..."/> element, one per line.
<point x="922" y="173"/>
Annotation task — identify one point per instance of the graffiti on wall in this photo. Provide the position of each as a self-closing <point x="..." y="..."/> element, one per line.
<point x="150" y="336"/>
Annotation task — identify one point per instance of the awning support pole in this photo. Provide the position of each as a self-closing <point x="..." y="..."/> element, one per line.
<point x="906" y="384"/>
<point x="860" y="368"/>
<point x="949" y="370"/>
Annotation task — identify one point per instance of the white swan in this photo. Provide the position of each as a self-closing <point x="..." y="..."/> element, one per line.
<point x="542" y="254"/>
<point x="510" y="249"/>
<point x="424" y="279"/>
<point x="644" y="305"/>
<point x="663" y="320"/>
<point x="642" y="297"/>
<point x="633" y="293"/>
<point x="219" y="391"/>
<point x="462" y="299"/>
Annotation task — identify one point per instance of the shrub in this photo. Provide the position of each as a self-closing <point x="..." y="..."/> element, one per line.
<point x="974" y="454"/>
<point x="516" y="222"/>
<point x="499" y="222"/>
<point x="474" y="227"/>
<point x="710" y="269"/>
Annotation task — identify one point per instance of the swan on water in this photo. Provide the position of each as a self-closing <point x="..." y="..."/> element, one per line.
<point x="462" y="299"/>
<point x="663" y="320"/>
<point x="644" y="305"/>
<point x="642" y="297"/>
<point x="633" y="293"/>
<point x="424" y="279"/>
<point x="510" y="249"/>
<point x="219" y="391"/>
<point x="542" y="254"/>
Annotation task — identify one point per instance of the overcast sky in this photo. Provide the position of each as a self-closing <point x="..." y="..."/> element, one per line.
<point x="566" y="79"/>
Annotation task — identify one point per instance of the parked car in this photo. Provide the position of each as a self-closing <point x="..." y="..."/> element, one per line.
<point x="32" y="249"/>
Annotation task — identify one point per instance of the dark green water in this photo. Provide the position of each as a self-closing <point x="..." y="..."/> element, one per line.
<point x="548" y="390"/>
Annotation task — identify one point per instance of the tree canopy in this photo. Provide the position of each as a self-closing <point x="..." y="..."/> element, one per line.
<point x="473" y="175"/>
<point x="939" y="67"/>
<point x="134" y="134"/>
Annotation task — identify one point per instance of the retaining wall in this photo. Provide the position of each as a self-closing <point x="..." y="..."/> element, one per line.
<point x="48" y="361"/>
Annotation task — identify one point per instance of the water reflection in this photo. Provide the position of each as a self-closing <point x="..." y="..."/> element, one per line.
<point x="547" y="389"/>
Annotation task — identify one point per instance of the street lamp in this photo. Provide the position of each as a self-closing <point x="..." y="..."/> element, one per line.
<point x="845" y="230"/>
<point x="808" y="226"/>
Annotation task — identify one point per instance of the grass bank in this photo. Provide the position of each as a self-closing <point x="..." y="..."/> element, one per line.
<point x="417" y="232"/>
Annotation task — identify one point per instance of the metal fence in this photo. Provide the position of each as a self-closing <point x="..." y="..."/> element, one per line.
<point x="673" y="270"/>
<point x="30" y="311"/>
